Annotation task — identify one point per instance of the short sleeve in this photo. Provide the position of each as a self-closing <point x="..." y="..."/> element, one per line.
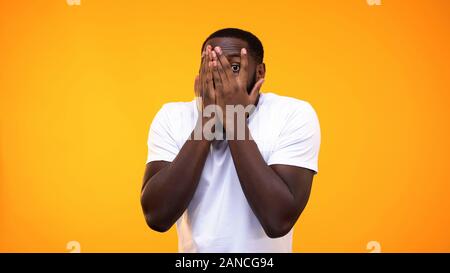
<point x="161" y="142"/>
<point x="299" y="140"/>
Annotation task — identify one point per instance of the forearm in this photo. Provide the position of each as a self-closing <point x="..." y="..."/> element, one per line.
<point x="167" y="194"/>
<point x="268" y="195"/>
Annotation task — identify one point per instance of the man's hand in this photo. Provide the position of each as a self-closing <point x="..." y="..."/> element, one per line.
<point x="204" y="87"/>
<point x="231" y="88"/>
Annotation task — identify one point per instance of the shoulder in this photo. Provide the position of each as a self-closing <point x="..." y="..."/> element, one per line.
<point x="177" y="108"/>
<point x="174" y="112"/>
<point x="174" y="115"/>
<point x="288" y="106"/>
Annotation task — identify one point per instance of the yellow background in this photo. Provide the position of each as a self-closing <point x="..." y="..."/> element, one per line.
<point x="80" y="85"/>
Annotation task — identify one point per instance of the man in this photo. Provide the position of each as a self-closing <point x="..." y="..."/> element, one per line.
<point x="231" y="188"/>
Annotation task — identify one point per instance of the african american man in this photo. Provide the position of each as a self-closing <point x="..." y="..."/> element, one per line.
<point x="244" y="191"/>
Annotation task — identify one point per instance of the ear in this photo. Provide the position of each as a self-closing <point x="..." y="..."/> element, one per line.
<point x="260" y="71"/>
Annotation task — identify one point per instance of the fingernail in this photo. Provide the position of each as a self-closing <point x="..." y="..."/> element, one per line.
<point x="218" y="50"/>
<point x="214" y="54"/>
<point x="244" y="51"/>
<point x="208" y="47"/>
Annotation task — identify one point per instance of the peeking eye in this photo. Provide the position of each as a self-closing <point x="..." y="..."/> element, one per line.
<point x="235" y="68"/>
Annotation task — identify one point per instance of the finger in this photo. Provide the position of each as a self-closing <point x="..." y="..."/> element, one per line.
<point x="255" y="91"/>
<point x="209" y="81"/>
<point x="204" y="59"/>
<point x="196" y="86"/>
<point x="224" y="61"/>
<point x="204" y="64"/>
<point x="216" y="77"/>
<point x="204" y="85"/>
<point x="216" y="64"/>
<point x="243" y="72"/>
<point x="199" y="78"/>
<point x="221" y="72"/>
<point x="212" y="58"/>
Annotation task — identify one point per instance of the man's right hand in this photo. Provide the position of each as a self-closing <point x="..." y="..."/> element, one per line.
<point x="205" y="96"/>
<point x="204" y="87"/>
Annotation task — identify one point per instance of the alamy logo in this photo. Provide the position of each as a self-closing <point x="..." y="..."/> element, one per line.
<point x="73" y="2"/>
<point x="374" y="2"/>
<point x="235" y="117"/>
<point x="73" y="247"/>
<point x="374" y="247"/>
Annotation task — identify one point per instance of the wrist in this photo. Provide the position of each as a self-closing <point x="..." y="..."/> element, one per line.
<point x="237" y="130"/>
<point x="203" y="130"/>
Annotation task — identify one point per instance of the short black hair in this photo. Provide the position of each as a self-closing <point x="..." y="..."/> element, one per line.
<point x="254" y="44"/>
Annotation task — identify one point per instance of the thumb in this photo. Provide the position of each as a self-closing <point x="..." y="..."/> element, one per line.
<point x="255" y="91"/>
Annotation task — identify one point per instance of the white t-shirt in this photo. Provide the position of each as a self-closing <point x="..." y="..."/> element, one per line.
<point x="219" y="218"/>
